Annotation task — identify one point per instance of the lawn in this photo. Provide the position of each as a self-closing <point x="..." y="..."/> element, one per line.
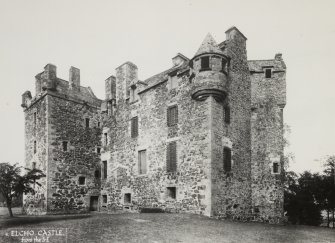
<point x="158" y="227"/>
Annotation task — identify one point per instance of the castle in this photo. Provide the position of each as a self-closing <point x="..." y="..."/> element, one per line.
<point x="204" y="136"/>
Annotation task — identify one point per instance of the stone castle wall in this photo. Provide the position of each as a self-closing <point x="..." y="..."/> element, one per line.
<point x="232" y="198"/>
<point x="254" y="134"/>
<point x="191" y="134"/>
<point x="67" y="123"/>
<point x="268" y="101"/>
<point x="36" y="131"/>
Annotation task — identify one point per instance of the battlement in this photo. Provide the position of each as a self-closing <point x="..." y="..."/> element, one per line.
<point x="47" y="82"/>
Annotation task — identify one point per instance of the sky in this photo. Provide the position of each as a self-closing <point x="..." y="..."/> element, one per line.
<point x="98" y="36"/>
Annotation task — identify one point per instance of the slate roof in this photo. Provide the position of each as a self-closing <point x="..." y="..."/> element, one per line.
<point x="258" y="65"/>
<point x="208" y="45"/>
<point x="160" y="77"/>
<point x="84" y="93"/>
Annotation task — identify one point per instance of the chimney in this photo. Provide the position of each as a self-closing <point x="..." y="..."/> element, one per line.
<point x="50" y="72"/>
<point x="38" y="83"/>
<point x="278" y="56"/>
<point x="126" y="76"/>
<point x="74" y="78"/>
<point x="49" y="77"/>
<point x="110" y="85"/>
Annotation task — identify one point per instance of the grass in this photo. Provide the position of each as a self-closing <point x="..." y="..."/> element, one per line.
<point x="157" y="227"/>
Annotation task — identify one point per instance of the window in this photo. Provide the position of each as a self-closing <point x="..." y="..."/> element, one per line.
<point x="132" y="94"/>
<point x="227" y="114"/>
<point x="33" y="166"/>
<point x="171" y="192"/>
<point x="256" y="209"/>
<point x="35" y="149"/>
<point x="223" y="65"/>
<point x="98" y="124"/>
<point x="65" y="143"/>
<point x="268" y="73"/>
<point x="104" y="198"/>
<point x="227" y="159"/>
<point x="282" y="117"/>
<point x="81" y="180"/>
<point x="127" y="198"/>
<point x="134" y="127"/>
<point x="98" y="150"/>
<point x="205" y="63"/>
<point x="172" y="116"/>
<point x="35" y="118"/>
<point x="97" y="174"/>
<point x="87" y="122"/>
<point x="275" y="168"/>
<point x="104" y="167"/>
<point x="174" y="81"/>
<point x="105" y="138"/>
<point x="171" y="157"/>
<point x="142" y="162"/>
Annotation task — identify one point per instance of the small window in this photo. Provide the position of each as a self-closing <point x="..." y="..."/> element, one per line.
<point x="97" y="174"/>
<point x="127" y="198"/>
<point x="172" y="116"/>
<point x="142" y="162"/>
<point x="171" y="157"/>
<point x="224" y="65"/>
<point x="227" y="114"/>
<point x="98" y="150"/>
<point x="33" y="165"/>
<point x="132" y="94"/>
<point x="104" y="198"/>
<point x="256" y="209"/>
<point x="227" y="159"/>
<point x="65" y="143"/>
<point x="105" y="138"/>
<point x="104" y="167"/>
<point x="35" y="118"/>
<point x="98" y="124"/>
<point x="35" y="147"/>
<point x="134" y="127"/>
<point x="268" y="73"/>
<point x="171" y="192"/>
<point x="205" y="63"/>
<point x="82" y="180"/>
<point x="87" y="122"/>
<point x="275" y="168"/>
<point x="174" y="81"/>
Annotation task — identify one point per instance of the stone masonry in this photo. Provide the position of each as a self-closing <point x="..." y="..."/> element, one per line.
<point x="205" y="136"/>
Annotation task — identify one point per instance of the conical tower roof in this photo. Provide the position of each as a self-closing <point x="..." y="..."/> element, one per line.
<point x="209" y="45"/>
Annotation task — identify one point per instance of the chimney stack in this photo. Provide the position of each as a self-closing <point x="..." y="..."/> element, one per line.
<point x="278" y="56"/>
<point x="74" y="78"/>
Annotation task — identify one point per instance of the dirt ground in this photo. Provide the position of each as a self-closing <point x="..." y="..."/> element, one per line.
<point x="152" y="227"/>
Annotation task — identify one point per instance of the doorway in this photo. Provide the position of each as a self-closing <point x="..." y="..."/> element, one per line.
<point x="94" y="203"/>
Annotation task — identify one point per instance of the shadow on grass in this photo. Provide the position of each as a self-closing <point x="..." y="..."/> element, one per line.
<point x="24" y="220"/>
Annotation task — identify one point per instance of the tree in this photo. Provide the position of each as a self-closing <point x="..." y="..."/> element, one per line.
<point x="12" y="183"/>
<point x="329" y="186"/>
<point x="301" y="198"/>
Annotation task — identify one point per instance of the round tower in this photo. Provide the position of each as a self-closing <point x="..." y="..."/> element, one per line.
<point x="209" y="75"/>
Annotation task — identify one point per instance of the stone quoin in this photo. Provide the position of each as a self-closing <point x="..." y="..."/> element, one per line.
<point x="204" y="136"/>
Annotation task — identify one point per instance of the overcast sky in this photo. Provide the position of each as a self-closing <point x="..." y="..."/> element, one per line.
<point x="98" y="36"/>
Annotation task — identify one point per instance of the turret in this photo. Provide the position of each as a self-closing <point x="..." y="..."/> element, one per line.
<point x="210" y="69"/>
<point x="26" y="99"/>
